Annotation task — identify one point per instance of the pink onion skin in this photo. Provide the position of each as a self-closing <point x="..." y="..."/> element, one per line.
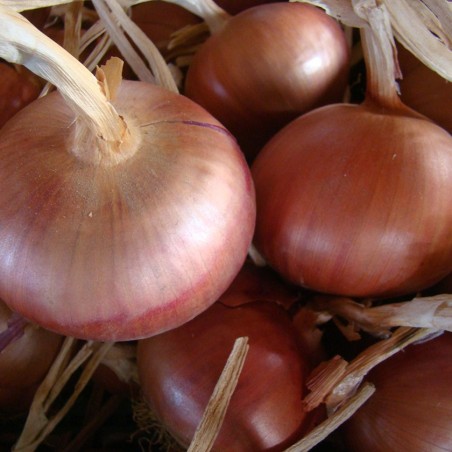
<point x="24" y="363"/>
<point x="179" y="369"/>
<point x="120" y="252"/>
<point x="266" y="66"/>
<point x="353" y="200"/>
<point x="411" y="409"/>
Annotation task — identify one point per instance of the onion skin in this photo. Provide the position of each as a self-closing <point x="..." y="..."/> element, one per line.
<point x="266" y="66"/>
<point x="109" y="251"/>
<point x="412" y="406"/>
<point x="237" y="6"/>
<point x="179" y="369"/>
<point x="354" y="200"/>
<point x="24" y="364"/>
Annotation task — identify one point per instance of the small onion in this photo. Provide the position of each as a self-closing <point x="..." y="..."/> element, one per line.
<point x="354" y="199"/>
<point x="24" y="360"/>
<point x="178" y="371"/>
<point x="266" y="66"/>
<point x="411" y="409"/>
<point x="119" y="218"/>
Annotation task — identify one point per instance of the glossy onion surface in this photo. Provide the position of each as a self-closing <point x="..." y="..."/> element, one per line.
<point x="115" y="252"/>
<point x="354" y="200"/>
<point x="411" y="409"/>
<point x="179" y="369"/>
<point x="266" y="66"/>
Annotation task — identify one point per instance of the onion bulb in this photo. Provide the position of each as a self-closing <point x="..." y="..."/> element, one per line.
<point x="178" y="371"/>
<point x="121" y="218"/>
<point x="267" y="65"/>
<point x="354" y="199"/>
<point x="26" y="354"/>
<point x="411" y="409"/>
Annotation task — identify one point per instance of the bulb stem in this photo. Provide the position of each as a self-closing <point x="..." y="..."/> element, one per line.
<point x="380" y="54"/>
<point x="22" y="43"/>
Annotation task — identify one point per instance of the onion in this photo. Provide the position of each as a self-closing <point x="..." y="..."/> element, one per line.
<point x="267" y="65"/>
<point x="411" y="409"/>
<point x="354" y="199"/>
<point x="26" y="354"/>
<point x="119" y="218"/>
<point x="178" y="371"/>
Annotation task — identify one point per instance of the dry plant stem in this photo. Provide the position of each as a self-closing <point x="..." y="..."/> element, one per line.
<point x="420" y="312"/>
<point x="72" y="28"/>
<point x="119" y="24"/>
<point x="22" y="43"/>
<point x="412" y="31"/>
<point x="213" y="416"/>
<point x="328" y="426"/>
<point x="335" y="381"/>
<point x="23" y="5"/>
<point x="38" y="426"/>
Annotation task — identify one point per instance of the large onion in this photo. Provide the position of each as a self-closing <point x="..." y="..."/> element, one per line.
<point x="354" y="199"/>
<point x="119" y="219"/>
<point x="178" y="371"/>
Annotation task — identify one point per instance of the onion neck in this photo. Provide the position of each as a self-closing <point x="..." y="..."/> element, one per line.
<point x="97" y="121"/>
<point x="379" y="55"/>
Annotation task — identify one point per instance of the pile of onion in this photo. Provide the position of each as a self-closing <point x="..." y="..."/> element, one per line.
<point x="120" y="201"/>
<point x="178" y="370"/>
<point x="354" y="199"/>
<point x="266" y="65"/>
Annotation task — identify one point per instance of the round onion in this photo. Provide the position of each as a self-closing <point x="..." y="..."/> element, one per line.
<point x="354" y="199"/>
<point x="24" y="361"/>
<point x="411" y="409"/>
<point x="237" y="6"/>
<point x="178" y="371"/>
<point x="119" y="218"/>
<point x="266" y="66"/>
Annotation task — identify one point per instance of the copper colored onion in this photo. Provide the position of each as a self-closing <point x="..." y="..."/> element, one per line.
<point x="178" y="371"/>
<point x="354" y="199"/>
<point x="120" y="250"/>
<point x="266" y="66"/>
<point x="411" y="409"/>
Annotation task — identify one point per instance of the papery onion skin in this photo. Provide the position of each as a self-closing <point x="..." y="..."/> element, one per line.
<point x="411" y="409"/>
<point x="354" y="200"/>
<point x="116" y="252"/>
<point x="266" y="66"/>
<point x="24" y="363"/>
<point x="178" y="371"/>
